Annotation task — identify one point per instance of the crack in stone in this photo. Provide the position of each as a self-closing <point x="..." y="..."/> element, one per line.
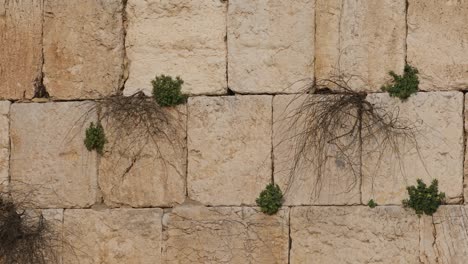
<point x="434" y="244"/>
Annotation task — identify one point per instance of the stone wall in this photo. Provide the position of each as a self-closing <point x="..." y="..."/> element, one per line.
<point x="243" y="63"/>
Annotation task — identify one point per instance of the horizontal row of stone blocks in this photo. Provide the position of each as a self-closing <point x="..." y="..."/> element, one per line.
<point x="91" y="48"/>
<point x="229" y="148"/>
<point x="322" y="234"/>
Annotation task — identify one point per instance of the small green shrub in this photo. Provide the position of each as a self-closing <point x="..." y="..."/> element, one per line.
<point x="424" y="199"/>
<point x="371" y="203"/>
<point x="167" y="91"/>
<point x="403" y="86"/>
<point x="270" y="199"/>
<point x="95" y="138"/>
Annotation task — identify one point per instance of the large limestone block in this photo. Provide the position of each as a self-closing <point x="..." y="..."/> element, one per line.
<point x="360" y="39"/>
<point x="443" y="236"/>
<point x="49" y="161"/>
<point x="229" y="148"/>
<point x="270" y="45"/>
<point x="437" y="122"/>
<point x="302" y="182"/>
<point x="4" y="142"/>
<point x="143" y="170"/>
<point x="83" y="48"/>
<point x="20" y="47"/>
<point x="225" y="235"/>
<point x="113" y="236"/>
<point x="355" y="234"/>
<point x="180" y="38"/>
<point x="437" y="34"/>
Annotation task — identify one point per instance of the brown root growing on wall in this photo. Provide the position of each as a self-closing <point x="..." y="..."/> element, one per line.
<point x="333" y="120"/>
<point x="26" y="236"/>
<point x="133" y="122"/>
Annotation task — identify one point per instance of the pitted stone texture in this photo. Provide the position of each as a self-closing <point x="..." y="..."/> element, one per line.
<point x="83" y="48"/>
<point x="49" y="161"/>
<point x="141" y="170"/>
<point x="4" y="142"/>
<point x="437" y="119"/>
<point x="20" y="47"/>
<point x="437" y="34"/>
<point x="443" y="236"/>
<point x="113" y="236"/>
<point x="229" y="148"/>
<point x="300" y="183"/>
<point x="353" y="41"/>
<point x="225" y="235"/>
<point x="179" y="38"/>
<point x="271" y="45"/>
<point x="354" y="234"/>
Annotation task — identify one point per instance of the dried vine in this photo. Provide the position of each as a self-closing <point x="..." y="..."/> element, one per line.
<point x="132" y="122"/>
<point x="25" y="235"/>
<point x="334" y="120"/>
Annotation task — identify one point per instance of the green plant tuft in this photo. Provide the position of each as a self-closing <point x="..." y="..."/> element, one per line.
<point x="95" y="138"/>
<point x="270" y="199"/>
<point x="403" y="86"/>
<point x="371" y="203"/>
<point x="424" y="199"/>
<point x="167" y="91"/>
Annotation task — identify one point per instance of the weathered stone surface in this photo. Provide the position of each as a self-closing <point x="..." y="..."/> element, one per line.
<point x="180" y="38"/>
<point x="443" y="236"/>
<point x="437" y="34"/>
<point x="83" y="48"/>
<point x="225" y="235"/>
<point x="271" y="45"/>
<point x="363" y="39"/>
<point x="113" y="236"/>
<point x="437" y="121"/>
<point x="20" y="47"/>
<point x="140" y="170"/>
<point x="48" y="158"/>
<point x="4" y="142"/>
<point x="305" y="184"/>
<point x="355" y="234"/>
<point x="229" y="148"/>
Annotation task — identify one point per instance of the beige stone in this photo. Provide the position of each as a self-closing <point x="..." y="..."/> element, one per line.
<point x="20" y="47"/>
<point x="270" y="45"/>
<point x="229" y="148"/>
<point x="437" y="34"/>
<point x="4" y="142"/>
<point x="302" y="182"/>
<point x="225" y="235"/>
<point x="83" y="48"/>
<point x="113" y="236"/>
<point x="49" y="161"/>
<point x="141" y="170"/>
<point x="355" y="234"/>
<point x="437" y="122"/>
<point x="362" y="40"/>
<point x="443" y="236"/>
<point x="179" y="38"/>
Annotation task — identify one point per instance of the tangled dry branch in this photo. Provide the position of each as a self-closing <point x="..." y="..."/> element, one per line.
<point x="334" y="120"/>
<point x="25" y="235"/>
<point x="132" y="122"/>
